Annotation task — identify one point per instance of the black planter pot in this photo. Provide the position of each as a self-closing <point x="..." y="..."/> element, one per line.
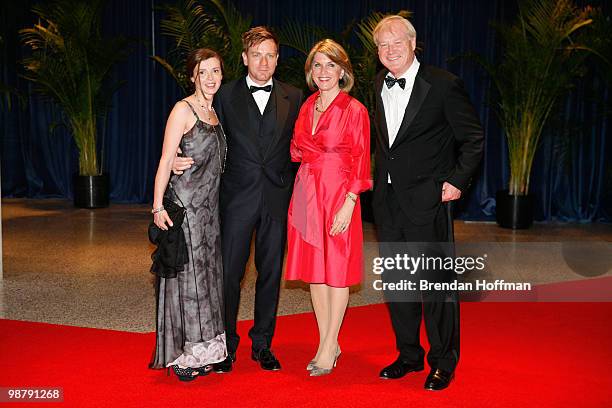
<point x="514" y="211"/>
<point x="91" y="191"/>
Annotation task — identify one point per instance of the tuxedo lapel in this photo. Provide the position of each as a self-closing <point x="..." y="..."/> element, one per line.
<point x="419" y="92"/>
<point x="241" y="98"/>
<point x="381" y="120"/>
<point x="281" y="100"/>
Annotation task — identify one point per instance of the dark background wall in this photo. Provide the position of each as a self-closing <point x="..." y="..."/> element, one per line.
<point x="572" y="176"/>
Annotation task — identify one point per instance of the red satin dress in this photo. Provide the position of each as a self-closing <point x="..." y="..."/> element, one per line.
<point x="335" y="160"/>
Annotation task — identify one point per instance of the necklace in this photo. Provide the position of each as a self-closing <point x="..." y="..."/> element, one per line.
<point x="318" y="104"/>
<point x="207" y="111"/>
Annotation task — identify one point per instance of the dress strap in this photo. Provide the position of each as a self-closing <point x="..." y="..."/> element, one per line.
<point x="192" y="109"/>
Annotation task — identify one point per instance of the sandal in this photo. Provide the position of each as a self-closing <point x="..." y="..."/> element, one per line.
<point x="187" y="374"/>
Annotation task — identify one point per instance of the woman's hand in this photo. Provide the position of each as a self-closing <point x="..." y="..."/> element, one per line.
<point x="161" y="219"/>
<point x="342" y="219"/>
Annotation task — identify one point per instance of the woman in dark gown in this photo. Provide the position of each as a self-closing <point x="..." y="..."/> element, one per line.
<point x="190" y="330"/>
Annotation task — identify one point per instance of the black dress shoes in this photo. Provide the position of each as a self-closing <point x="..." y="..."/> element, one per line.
<point x="225" y="366"/>
<point x="438" y="379"/>
<point x="398" y="369"/>
<point x="266" y="359"/>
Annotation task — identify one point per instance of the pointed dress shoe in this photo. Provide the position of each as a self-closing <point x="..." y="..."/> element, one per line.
<point x="313" y="363"/>
<point x="317" y="371"/>
<point x="438" y="379"/>
<point x="226" y="365"/>
<point x="398" y="369"/>
<point x="266" y="359"/>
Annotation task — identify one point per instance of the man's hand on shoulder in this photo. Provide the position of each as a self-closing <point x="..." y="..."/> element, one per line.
<point x="450" y="192"/>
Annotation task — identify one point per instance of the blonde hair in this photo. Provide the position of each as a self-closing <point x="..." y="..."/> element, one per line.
<point x="337" y="54"/>
<point x="390" y="19"/>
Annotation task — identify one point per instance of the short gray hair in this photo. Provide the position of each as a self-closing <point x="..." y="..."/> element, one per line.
<point x="391" y="18"/>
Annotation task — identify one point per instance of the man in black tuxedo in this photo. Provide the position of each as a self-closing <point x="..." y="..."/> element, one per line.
<point x="429" y="144"/>
<point x="257" y="113"/>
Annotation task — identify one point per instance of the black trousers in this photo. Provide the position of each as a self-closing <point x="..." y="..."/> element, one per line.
<point x="270" y="239"/>
<point x="440" y="310"/>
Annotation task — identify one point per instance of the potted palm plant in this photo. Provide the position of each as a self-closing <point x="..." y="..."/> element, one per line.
<point x="544" y="52"/>
<point x="70" y="63"/>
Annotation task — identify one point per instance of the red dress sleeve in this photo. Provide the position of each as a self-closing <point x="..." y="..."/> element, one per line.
<point x="296" y="153"/>
<point x="360" y="177"/>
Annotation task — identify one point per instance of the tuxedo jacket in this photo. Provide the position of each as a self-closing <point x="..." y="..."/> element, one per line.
<point x="440" y="139"/>
<point x="258" y="174"/>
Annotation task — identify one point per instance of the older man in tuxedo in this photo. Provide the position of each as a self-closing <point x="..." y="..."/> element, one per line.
<point x="429" y="144"/>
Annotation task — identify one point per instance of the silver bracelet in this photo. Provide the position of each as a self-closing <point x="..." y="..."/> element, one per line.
<point x="158" y="210"/>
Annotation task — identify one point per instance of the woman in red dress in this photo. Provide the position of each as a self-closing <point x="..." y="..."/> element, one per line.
<point x="332" y="140"/>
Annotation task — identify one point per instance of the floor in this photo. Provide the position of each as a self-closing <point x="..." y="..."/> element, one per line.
<point x="90" y="268"/>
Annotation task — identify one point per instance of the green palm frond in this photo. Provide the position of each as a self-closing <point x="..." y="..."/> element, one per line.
<point x="366" y="62"/>
<point x="231" y="24"/>
<point x="544" y="52"/>
<point x="9" y="93"/>
<point x="301" y="37"/>
<point x="193" y="24"/>
<point x="70" y="63"/>
<point x="170" y="69"/>
<point x="292" y="72"/>
<point x="365" y="28"/>
<point x="186" y="23"/>
<point x="598" y="36"/>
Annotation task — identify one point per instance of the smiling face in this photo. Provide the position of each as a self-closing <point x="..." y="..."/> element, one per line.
<point x="395" y="48"/>
<point x="260" y="61"/>
<point x="326" y="73"/>
<point x="207" y="77"/>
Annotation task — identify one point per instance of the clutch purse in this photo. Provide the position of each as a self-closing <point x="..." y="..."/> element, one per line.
<point x="176" y="214"/>
<point x="171" y="254"/>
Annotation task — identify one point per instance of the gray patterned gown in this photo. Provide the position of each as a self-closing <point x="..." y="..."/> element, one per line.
<point x="190" y="329"/>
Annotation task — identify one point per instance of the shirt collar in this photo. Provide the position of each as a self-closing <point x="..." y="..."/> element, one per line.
<point x="250" y="82"/>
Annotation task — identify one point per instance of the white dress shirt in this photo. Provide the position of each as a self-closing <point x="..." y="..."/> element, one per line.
<point x="395" y="100"/>
<point x="261" y="97"/>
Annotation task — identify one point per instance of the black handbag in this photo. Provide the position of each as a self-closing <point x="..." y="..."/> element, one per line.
<point x="171" y="254"/>
<point x="175" y="212"/>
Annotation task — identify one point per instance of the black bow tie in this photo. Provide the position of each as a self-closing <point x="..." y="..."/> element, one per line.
<point x="390" y="81"/>
<point x="266" y="88"/>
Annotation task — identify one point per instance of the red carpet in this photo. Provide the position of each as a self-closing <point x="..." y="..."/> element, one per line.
<point x="513" y="355"/>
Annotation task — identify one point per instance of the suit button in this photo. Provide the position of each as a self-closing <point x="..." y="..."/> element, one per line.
<point x="392" y="158"/>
